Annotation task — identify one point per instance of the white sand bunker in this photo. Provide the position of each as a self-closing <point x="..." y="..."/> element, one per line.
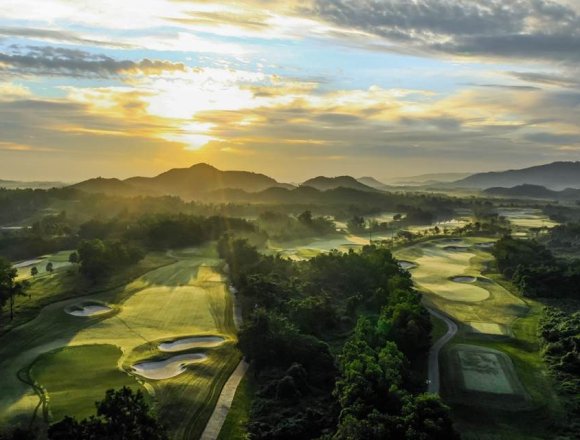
<point x="193" y="342"/>
<point x="407" y="265"/>
<point x="88" y="309"/>
<point x="174" y="366"/>
<point x="464" y="279"/>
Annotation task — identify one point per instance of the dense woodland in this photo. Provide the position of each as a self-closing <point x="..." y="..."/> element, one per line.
<point x="336" y="346"/>
<point x="535" y="270"/>
<point x="560" y="335"/>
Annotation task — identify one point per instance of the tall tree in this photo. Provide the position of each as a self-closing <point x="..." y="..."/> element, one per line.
<point x="9" y="287"/>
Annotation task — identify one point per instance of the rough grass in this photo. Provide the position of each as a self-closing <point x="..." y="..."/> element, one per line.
<point x="183" y="299"/>
<point x="234" y="427"/>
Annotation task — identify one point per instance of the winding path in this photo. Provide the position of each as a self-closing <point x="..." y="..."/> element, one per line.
<point x="433" y="374"/>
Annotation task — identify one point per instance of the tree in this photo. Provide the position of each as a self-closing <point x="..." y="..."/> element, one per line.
<point x="305" y="218"/>
<point x="73" y="258"/>
<point x="9" y="288"/>
<point x="34" y="271"/>
<point x="49" y="267"/>
<point x="122" y="415"/>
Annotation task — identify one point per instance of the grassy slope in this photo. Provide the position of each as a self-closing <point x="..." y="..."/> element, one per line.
<point x="505" y="308"/>
<point x="66" y="283"/>
<point x="182" y="299"/>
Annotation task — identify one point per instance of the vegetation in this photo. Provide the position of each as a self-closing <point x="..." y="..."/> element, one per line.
<point x="9" y="287"/>
<point x="121" y="415"/>
<point x="535" y="270"/>
<point x="560" y="335"/>
<point x="296" y="316"/>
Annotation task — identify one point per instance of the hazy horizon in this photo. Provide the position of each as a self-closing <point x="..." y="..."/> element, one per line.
<point x="293" y="90"/>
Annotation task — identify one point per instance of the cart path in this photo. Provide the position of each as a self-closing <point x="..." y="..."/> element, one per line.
<point x="433" y="374"/>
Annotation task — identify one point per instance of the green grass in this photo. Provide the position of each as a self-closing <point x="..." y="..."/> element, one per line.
<point x="188" y="297"/>
<point x="439" y="328"/>
<point x="67" y="283"/>
<point x="234" y="427"/>
<point x="74" y="378"/>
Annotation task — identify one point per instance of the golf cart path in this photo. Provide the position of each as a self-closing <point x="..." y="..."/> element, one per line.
<point x="224" y="403"/>
<point x="433" y="374"/>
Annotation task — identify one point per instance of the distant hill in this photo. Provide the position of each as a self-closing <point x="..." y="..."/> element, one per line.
<point x="429" y="179"/>
<point x="555" y="176"/>
<point x="534" y="191"/>
<point x="373" y="183"/>
<point x="15" y="184"/>
<point x="188" y="183"/>
<point x="109" y="186"/>
<point x="322" y="183"/>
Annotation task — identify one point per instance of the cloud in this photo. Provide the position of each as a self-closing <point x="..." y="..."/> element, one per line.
<point x="525" y="29"/>
<point x="58" y="61"/>
<point x="57" y="35"/>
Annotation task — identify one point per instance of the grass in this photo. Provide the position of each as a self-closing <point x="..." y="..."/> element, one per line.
<point x="484" y="415"/>
<point x="74" y="378"/>
<point x="234" y="427"/>
<point x="188" y="297"/>
<point x="67" y="283"/>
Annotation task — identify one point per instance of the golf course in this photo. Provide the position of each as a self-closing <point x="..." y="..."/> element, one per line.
<point x="169" y="332"/>
<point x="489" y="360"/>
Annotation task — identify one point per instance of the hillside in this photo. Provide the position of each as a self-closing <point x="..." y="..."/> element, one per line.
<point x="554" y="176"/>
<point x="534" y="191"/>
<point x="322" y="183"/>
<point x="429" y="179"/>
<point x="116" y="187"/>
<point x="373" y="183"/>
<point x="15" y="184"/>
<point x="188" y="183"/>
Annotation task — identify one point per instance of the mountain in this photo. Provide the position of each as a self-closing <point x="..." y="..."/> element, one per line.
<point x="534" y="191"/>
<point x="429" y="179"/>
<point x="322" y="183"/>
<point x="373" y="183"/>
<point x="14" y="184"/>
<point x="555" y="176"/>
<point x="109" y="186"/>
<point x="188" y="183"/>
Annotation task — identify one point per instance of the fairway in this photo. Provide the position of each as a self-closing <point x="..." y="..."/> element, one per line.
<point x="445" y="271"/>
<point x="185" y="307"/>
<point x="527" y="217"/>
<point x="59" y="260"/>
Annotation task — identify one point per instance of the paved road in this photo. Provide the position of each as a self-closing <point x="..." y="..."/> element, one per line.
<point x="433" y="375"/>
<point x="224" y="403"/>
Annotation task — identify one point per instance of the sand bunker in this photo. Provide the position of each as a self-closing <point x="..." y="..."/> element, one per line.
<point x="407" y="265"/>
<point x="174" y="366"/>
<point x="456" y="248"/>
<point x="189" y="343"/>
<point x="88" y="309"/>
<point x="464" y="279"/>
<point x="27" y="263"/>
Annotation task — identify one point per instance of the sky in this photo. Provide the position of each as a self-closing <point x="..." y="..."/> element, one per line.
<point x="292" y="89"/>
